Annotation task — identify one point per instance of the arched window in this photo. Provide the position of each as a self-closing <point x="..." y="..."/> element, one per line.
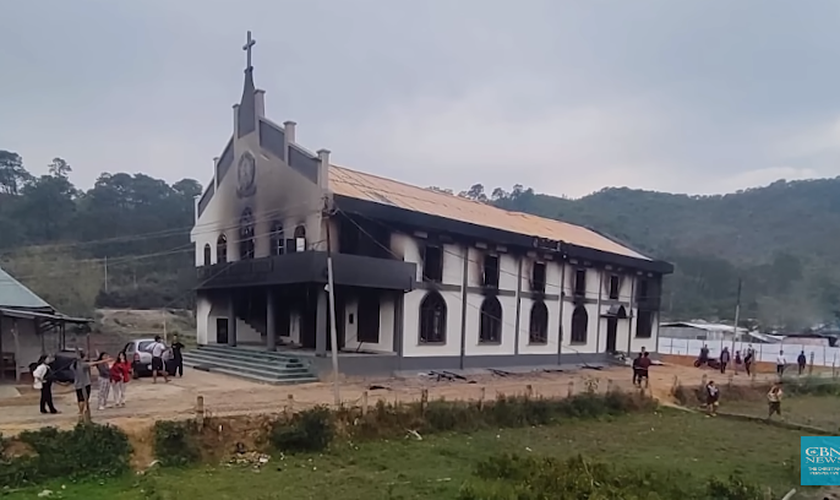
<point x="538" y="330"/>
<point x="221" y="249"/>
<point x="580" y="322"/>
<point x="490" y="325"/>
<point x="278" y="244"/>
<point x="246" y="235"/>
<point x="433" y="319"/>
<point x="207" y="254"/>
<point x="300" y="238"/>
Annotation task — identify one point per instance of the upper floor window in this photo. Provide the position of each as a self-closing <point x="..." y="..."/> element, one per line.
<point x="642" y="291"/>
<point x="221" y="249"/>
<point x="644" y="324"/>
<point x="278" y="244"/>
<point x="538" y="277"/>
<point x="246" y="235"/>
<point x="207" y="254"/>
<point x="300" y="238"/>
<point x="433" y="263"/>
<point x="580" y="282"/>
<point x="490" y="275"/>
<point x="615" y="286"/>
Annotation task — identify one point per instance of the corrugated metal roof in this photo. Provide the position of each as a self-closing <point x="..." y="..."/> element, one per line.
<point x="14" y="294"/>
<point x="369" y="187"/>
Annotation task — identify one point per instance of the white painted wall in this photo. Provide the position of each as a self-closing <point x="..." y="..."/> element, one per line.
<point x="203" y="308"/>
<point x="246" y="333"/>
<point x="386" y="327"/>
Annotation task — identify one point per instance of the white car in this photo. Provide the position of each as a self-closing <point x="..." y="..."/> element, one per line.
<point x="138" y="352"/>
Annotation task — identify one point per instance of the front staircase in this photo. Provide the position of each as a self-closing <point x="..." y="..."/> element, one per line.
<point x="262" y="366"/>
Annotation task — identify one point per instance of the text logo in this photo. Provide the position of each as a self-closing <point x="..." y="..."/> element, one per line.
<point x="820" y="461"/>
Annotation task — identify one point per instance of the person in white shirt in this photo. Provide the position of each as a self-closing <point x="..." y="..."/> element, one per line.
<point x="42" y="381"/>
<point x="158" y="349"/>
<point x="780" y="363"/>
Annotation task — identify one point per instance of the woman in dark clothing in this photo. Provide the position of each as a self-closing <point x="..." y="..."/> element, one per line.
<point x="42" y="380"/>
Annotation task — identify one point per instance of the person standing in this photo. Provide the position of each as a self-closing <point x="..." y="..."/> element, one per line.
<point x="42" y="381"/>
<point x="644" y="367"/>
<point x="104" y="379"/>
<point x="120" y="375"/>
<point x="748" y="361"/>
<point x="158" y="349"/>
<point x="738" y="362"/>
<point x="636" y="369"/>
<point x="177" y="346"/>
<point x="724" y="359"/>
<point x="712" y="398"/>
<point x="780" y="364"/>
<point x="774" y="401"/>
<point x="801" y="361"/>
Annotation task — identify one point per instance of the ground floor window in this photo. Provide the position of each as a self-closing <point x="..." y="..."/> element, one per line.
<point x="538" y="330"/>
<point x="433" y="319"/>
<point x="580" y="323"/>
<point x="490" y="325"/>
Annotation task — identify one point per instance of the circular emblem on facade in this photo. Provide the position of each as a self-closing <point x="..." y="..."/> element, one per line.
<point x="246" y="173"/>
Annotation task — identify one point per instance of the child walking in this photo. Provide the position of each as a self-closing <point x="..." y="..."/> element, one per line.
<point x="120" y="375"/>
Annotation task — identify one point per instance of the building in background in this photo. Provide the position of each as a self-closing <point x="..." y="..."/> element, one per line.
<point x="29" y="327"/>
<point x="423" y="279"/>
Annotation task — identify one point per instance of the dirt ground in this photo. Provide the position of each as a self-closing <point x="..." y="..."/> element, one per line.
<point x="226" y="396"/>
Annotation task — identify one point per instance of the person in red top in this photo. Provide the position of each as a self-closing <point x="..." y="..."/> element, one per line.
<point x="120" y="375"/>
<point x="644" y="366"/>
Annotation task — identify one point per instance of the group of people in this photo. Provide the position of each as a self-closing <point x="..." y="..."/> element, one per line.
<point x="774" y="399"/>
<point x="749" y="360"/>
<point x="114" y="375"/>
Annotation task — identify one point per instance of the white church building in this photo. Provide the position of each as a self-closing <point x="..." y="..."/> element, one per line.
<point x="423" y="279"/>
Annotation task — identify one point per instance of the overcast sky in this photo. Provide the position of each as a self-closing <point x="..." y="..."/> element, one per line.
<point x="566" y="96"/>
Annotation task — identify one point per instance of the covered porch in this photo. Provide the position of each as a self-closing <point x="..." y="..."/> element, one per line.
<point x="27" y="334"/>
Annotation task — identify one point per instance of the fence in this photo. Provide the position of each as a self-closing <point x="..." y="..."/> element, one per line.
<point x="817" y="355"/>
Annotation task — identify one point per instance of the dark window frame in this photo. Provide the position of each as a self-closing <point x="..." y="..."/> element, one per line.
<point x="644" y="324"/>
<point x="431" y="272"/>
<point x="580" y="326"/>
<point x="208" y="254"/>
<point x="538" y="324"/>
<point x="495" y="271"/>
<point x="433" y="316"/>
<point x="579" y="285"/>
<point x="614" y="287"/>
<point x="539" y="277"/>
<point x="490" y="321"/>
<point x="278" y="243"/>
<point x="221" y="249"/>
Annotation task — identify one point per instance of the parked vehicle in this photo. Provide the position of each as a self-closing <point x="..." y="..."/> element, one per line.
<point x="139" y="353"/>
<point x="712" y="363"/>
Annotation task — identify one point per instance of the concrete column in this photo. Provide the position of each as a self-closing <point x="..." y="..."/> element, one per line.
<point x="270" y="322"/>
<point x="231" y="320"/>
<point x="321" y="319"/>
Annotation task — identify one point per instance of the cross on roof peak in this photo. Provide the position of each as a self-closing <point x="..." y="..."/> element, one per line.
<point x="247" y="48"/>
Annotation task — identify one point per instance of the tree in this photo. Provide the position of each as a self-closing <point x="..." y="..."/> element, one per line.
<point x="12" y="174"/>
<point x="59" y="168"/>
<point x="475" y="192"/>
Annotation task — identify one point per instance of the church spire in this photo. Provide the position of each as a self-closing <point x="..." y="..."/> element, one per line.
<point x="247" y="112"/>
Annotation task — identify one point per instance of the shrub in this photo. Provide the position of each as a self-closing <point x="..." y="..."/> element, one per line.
<point x="86" y="451"/>
<point x="514" y="477"/>
<point x="309" y="430"/>
<point x="176" y="443"/>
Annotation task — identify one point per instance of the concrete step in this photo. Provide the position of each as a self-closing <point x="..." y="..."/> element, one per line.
<point x="244" y="353"/>
<point x="259" y="378"/>
<point x="262" y="366"/>
<point x="254" y="368"/>
<point x="250" y="372"/>
<point x="209" y="356"/>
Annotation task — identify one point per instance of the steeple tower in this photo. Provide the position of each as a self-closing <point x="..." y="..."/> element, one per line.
<point x="246" y="113"/>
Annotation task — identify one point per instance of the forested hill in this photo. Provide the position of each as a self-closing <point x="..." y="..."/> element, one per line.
<point x="125" y="241"/>
<point x="783" y="240"/>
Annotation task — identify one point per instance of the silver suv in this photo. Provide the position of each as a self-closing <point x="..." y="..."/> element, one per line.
<point x="138" y="353"/>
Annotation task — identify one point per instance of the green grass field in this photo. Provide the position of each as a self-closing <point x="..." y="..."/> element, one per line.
<point x="817" y="411"/>
<point x="437" y="466"/>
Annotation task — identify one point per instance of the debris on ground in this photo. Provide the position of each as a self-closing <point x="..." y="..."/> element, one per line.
<point x="243" y="457"/>
<point x="45" y="494"/>
<point x="416" y="435"/>
<point x="376" y="387"/>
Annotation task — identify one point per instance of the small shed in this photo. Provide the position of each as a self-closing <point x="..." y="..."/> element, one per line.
<point x="29" y="327"/>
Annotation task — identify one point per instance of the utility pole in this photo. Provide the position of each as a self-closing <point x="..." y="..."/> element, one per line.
<point x="106" y="274"/>
<point x="333" y="326"/>
<point x="737" y="314"/>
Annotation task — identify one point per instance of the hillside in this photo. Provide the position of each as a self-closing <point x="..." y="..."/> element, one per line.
<point x="124" y="243"/>
<point x="782" y="240"/>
